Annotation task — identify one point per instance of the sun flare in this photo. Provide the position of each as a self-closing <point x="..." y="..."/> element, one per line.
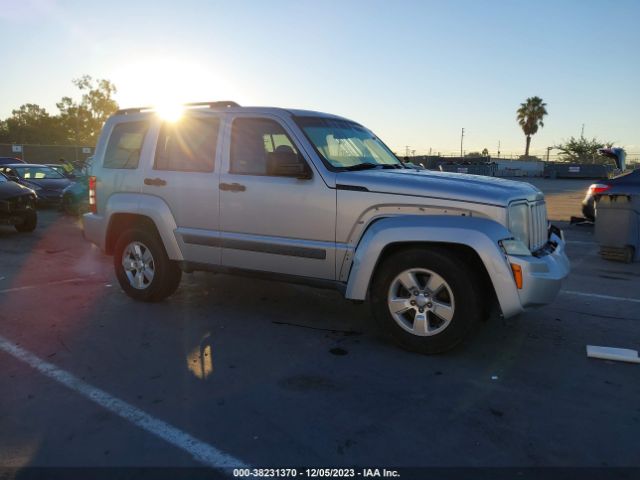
<point x="167" y="82"/>
<point x="171" y="112"/>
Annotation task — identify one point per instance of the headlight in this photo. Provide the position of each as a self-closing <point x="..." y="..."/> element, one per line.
<point x="519" y="222"/>
<point x="513" y="246"/>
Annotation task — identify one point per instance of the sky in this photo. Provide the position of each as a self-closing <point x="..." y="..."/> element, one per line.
<point x="414" y="72"/>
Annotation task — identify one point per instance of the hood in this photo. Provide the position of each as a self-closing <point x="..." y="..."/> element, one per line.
<point x="454" y="186"/>
<point x="48" y="183"/>
<point x="12" y="189"/>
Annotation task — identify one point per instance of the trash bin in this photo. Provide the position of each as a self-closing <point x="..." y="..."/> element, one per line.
<point x="618" y="226"/>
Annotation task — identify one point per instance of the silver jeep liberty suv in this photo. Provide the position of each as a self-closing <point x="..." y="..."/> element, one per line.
<point x="310" y="197"/>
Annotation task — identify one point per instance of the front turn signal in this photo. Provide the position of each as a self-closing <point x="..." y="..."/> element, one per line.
<point x="517" y="274"/>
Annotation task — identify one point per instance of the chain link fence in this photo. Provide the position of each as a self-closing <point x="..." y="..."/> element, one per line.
<point x="631" y="157"/>
<point x="77" y="154"/>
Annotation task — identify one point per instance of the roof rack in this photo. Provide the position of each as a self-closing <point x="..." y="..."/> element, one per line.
<point x="218" y="104"/>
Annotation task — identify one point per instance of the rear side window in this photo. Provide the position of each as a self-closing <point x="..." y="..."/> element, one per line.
<point x="188" y="145"/>
<point x="253" y="140"/>
<point x="125" y="144"/>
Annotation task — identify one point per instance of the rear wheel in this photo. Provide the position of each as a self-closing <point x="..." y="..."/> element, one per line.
<point x="29" y="222"/>
<point x="426" y="300"/>
<point x="70" y="206"/>
<point x="143" y="268"/>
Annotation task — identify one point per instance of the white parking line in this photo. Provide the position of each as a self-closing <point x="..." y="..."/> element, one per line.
<point x="202" y="452"/>
<point x="55" y="282"/>
<point x="603" y="297"/>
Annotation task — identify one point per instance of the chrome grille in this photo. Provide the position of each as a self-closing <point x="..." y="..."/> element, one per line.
<point x="538" y="218"/>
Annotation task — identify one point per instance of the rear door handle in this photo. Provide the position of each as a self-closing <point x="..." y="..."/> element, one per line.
<point x="156" y="182"/>
<point x="232" y="187"/>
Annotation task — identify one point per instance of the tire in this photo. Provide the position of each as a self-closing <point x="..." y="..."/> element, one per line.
<point x="449" y="296"/>
<point x="69" y="206"/>
<point x="29" y="222"/>
<point x="151" y="276"/>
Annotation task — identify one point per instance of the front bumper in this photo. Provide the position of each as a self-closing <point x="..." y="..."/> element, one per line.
<point x="542" y="274"/>
<point x="49" y="198"/>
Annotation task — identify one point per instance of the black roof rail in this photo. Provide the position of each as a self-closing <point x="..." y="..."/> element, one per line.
<point x="125" y="111"/>
<point x="218" y="104"/>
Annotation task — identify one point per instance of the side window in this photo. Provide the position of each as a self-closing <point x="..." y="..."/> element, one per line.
<point x="188" y="145"/>
<point x="255" y="142"/>
<point x="125" y="143"/>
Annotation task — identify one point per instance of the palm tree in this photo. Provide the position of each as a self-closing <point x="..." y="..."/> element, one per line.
<point x="530" y="115"/>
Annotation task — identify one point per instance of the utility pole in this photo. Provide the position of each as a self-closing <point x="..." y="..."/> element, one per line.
<point x="582" y="132"/>
<point x="498" y="148"/>
<point x="461" y="142"/>
<point x="406" y="150"/>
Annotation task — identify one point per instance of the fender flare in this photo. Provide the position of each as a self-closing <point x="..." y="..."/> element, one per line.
<point x="148" y="206"/>
<point x="480" y="234"/>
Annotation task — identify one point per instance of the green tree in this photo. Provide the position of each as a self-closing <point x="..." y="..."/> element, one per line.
<point x="530" y="117"/>
<point x="582" y="150"/>
<point x="31" y="124"/>
<point x="83" y="120"/>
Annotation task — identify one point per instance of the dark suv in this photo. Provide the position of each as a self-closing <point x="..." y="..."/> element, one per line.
<point x="17" y="205"/>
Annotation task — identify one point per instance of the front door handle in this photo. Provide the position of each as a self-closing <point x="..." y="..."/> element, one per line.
<point x="156" y="182"/>
<point x="232" y="187"/>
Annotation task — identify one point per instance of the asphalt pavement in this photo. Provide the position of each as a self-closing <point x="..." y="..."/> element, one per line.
<point x="259" y="373"/>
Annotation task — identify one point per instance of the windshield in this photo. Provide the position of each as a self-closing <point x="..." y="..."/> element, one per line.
<point x="344" y="144"/>
<point x="58" y="168"/>
<point x="37" y="173"/>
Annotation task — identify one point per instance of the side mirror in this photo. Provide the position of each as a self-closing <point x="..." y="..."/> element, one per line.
<point x="288" y="164"/>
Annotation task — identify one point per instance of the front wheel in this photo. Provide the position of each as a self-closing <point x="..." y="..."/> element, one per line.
<point x="426" y="300"/>
<point x="143" y="268"/>
<point x="29" y="222"/>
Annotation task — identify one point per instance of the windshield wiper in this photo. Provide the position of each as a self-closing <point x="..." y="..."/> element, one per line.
<point x="369" y="165"/>
<point x="361" y="166"/>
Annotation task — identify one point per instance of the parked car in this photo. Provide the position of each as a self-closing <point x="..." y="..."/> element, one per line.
<point x="61" y="170"/>
<point x="75" y="197"/>
<point x="10" y="160"/>
<point x="315" y="198"/>
<point x="626" y="183"/>
<point x="17" y="205"/>
<point x="45" y="181"/>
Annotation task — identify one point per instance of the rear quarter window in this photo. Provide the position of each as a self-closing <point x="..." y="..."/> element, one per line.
<point x="125" y="144"/>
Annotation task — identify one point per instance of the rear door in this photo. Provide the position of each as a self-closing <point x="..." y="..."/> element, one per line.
<point x="128" y="142"/>
<point x="184" y="174"/>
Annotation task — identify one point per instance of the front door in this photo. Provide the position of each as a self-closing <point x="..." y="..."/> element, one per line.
<point x="268" y="221"/>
